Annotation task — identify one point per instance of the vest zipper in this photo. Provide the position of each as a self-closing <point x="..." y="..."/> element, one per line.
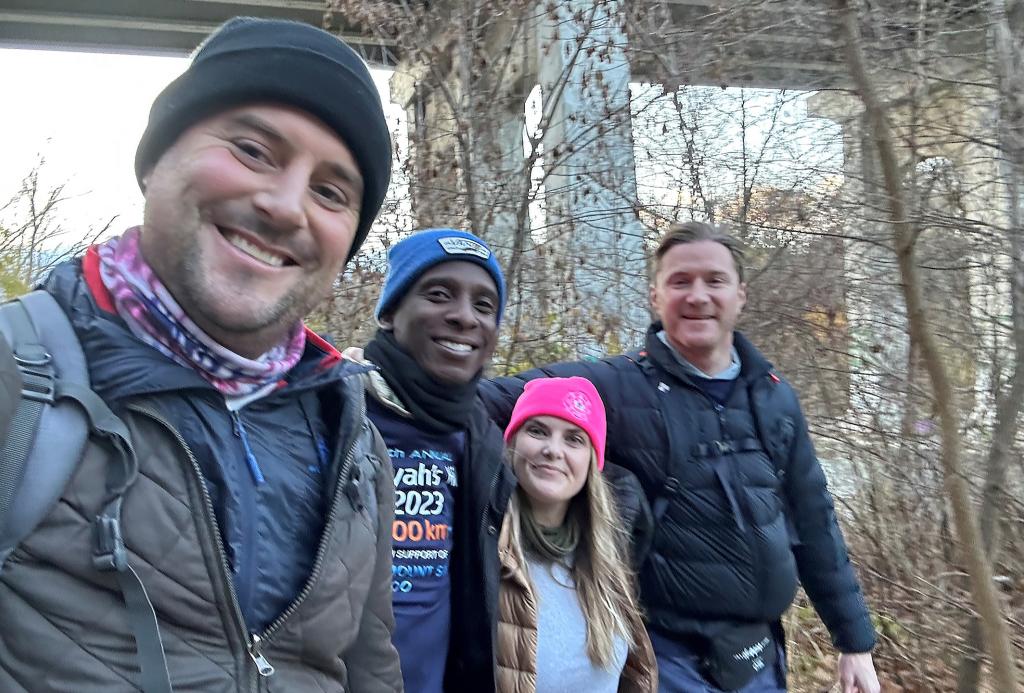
<point x="496" y="532"/>
<point x="343" y="477"/>
<point x="264" y="667"/>
<point x="250" y="457"/>
<point x="490" y="492"/>
<point x="253" y="642"/>
<point x="211" y="519"/>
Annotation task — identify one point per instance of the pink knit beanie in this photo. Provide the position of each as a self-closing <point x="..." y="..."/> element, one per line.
<point x="572" y="399"/>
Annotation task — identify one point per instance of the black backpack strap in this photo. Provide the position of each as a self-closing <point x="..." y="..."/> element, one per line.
<point x="677" y="447"/>
<point x="110" y="553"/>
<point x="35" y="325"/>
<point x="776" y="433"/>
<point x="777" y="440"/>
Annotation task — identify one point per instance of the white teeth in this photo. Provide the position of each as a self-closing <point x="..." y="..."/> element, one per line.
<point x="455" y="346"/>
<point x="254" y="251"/>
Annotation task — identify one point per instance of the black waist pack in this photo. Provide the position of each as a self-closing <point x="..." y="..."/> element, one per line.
<point x="737" y="653"/>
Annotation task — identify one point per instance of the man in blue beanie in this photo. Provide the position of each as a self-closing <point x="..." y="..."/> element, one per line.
<point x="257" y="500"/>
<point x="439" y="313"/>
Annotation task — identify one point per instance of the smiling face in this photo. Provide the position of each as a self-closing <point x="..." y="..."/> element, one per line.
<point x="448" y="321"/>
<point x="698" y="296"/>
<point x="552" y="459"/>
<point x="249" y="218"/>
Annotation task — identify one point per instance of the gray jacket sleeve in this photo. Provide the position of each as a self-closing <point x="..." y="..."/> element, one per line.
<point x="10" y="387"/>
<point x="372" y="662"/>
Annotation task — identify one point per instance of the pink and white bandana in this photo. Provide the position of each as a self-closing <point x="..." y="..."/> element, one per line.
<point x="154" y="317"/>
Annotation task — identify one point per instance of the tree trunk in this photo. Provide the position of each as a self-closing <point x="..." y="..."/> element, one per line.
<point x="1006" y="49"/>
<point x="983" y="591"/>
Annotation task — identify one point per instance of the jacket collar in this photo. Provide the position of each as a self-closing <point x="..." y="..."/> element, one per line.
<point x="116" y="357"/>
<point x="753" y="364"/>
<point x="376" y="386"/>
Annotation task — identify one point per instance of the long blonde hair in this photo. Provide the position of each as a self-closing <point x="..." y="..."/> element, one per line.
<point x="600" y="567"/>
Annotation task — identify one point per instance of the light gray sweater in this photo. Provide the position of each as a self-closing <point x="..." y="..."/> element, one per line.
<point x="562" y="660"/>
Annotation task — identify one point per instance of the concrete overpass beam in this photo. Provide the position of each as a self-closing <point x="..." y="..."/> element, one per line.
<point x="467" y="172"/>
<point x="590" y="179"/>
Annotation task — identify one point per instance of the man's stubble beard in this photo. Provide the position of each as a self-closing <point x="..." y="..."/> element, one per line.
<point x="200" y="292"/>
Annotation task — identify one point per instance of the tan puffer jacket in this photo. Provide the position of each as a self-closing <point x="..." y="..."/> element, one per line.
<point x="516" y="651"/>
<point x="64" y="627"/>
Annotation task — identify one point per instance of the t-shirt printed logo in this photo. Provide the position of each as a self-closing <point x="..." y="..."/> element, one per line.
<point x="577" y="404"/>
<point x="453" y="245"/>
<point x="421" y="532"/>
<point x="426" y="468"/>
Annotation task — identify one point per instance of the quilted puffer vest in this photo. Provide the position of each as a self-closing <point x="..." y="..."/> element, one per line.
<point x="516" y="651"/>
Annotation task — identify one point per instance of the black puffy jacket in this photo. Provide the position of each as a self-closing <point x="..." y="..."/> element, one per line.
<point x="740" y="501"/>
<point x="635" y="516"/>
<point x="485" y="486"/>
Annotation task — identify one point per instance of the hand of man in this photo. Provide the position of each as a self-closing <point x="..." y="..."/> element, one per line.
<point x="857" y="673"/>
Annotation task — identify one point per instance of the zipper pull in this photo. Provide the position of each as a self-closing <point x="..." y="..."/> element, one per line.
<point x="264" y="667"/>
<point x="250" y="457"/>
<point x="352" y="490"/>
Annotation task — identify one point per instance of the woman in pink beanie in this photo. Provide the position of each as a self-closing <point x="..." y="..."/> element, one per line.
<point x="568" y="618"/>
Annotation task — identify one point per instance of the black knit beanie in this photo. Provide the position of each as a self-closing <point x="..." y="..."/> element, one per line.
<point x="249" y="60"/>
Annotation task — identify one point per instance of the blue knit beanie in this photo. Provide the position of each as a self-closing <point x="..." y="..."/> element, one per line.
<point x="412" y="256"/>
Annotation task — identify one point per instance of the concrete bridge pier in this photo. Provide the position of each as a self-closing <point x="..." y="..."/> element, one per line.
<point x="953" y="190"/>
<point x="469" y="167"/>
<point x="591" y="220"/>
<point x="466" y="152"/>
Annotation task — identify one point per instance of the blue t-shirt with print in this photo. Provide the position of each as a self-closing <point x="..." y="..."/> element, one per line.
<point x="426" y="466"/>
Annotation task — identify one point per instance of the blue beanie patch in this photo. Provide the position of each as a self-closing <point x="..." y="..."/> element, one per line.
<point x="412" y="256"/>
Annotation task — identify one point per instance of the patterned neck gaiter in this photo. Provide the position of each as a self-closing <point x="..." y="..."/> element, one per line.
<point x="153" y="316"/>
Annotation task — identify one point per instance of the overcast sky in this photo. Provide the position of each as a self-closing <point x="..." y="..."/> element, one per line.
<point x="85" y="112"/>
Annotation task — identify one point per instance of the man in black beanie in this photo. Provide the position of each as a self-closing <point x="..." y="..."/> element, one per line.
<point x="246" y="490"/>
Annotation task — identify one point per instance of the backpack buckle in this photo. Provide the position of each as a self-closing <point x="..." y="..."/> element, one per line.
<point x="110" y="553"/>
<point x="38" y="381"/>
<point x="723" y="447"/>
<point x="672" y="486"/>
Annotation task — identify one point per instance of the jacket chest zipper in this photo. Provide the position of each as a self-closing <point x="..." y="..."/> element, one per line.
<point x="720" y="411"/>
<point x="253" y="642"/>
<point x="344" y="474"/>
<point x="263" y="667"/>
<point x="224" y="575"/>
<point x="484" y="527"/>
